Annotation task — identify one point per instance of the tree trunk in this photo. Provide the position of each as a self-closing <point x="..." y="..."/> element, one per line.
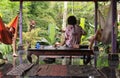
<point x="64" y="20"/>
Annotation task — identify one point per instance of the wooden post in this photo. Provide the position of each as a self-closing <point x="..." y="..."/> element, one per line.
<point x="20" y="22"/>
<point x="96" y="8"/>
<point x="114" y="24"/>
<point x="20" y="30"/>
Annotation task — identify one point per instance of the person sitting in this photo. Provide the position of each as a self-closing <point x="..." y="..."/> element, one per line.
<point x="73" y="34"/>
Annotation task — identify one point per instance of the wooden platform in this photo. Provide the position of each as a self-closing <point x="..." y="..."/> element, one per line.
<point x="55" y="71"/>
<point x="5" y="69"/>
<point x="20" y="70"/>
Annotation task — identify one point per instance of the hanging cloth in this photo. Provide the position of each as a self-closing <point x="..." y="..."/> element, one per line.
<point x="107" y="30"/>
<point x="14" y="24"/>
<point x="5" y="35"/>
<point x="106" y="25"/>
<point x="101" y="19"/>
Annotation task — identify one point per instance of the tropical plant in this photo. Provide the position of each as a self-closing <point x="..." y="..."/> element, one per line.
<point x="5" y="49"/>
<point x="31" y="37"/>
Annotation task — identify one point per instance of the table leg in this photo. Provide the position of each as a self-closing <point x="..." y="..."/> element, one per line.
<point x="86" y="59"/>
<point x="29" y="58"/>
<point x="37" y="62"/>
<point x="70" y="62"/>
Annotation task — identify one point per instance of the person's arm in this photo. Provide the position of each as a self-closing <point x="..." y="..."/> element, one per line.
<point x="98" y="35"/>
<point x="92" y="39"/>
<point x="83" y="31"/>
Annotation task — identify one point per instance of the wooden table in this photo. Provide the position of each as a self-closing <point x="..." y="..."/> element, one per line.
<point x="57" y="52"/>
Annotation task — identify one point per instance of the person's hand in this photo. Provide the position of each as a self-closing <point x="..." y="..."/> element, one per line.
<point x="57" y="44"/>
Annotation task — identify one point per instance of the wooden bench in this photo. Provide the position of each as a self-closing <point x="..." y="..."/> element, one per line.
<point x="58" y="52"/>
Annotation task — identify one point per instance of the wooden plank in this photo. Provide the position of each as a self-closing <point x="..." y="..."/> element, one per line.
<point x="43" y="70"/>
<point x="52" y="70"/>
<point x="61" y="51"/>
<point x="33" y="71"/>
<point x="20" y="69"/>
<point x="58" y="70"/>
<point x="82" y="70"/>
<point x="4" y="69"/>
<point x="66" y="71"/>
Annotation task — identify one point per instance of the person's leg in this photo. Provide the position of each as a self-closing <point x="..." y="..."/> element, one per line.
<point x="14" y="47"/>
<point x="70" y="60"/>
<point x="92" y="39"/>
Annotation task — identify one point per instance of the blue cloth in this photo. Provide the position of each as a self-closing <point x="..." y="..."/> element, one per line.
<point x="37" y="45"/>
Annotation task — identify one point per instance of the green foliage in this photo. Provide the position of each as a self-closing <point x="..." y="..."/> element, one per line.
<point x="5" y="49"/>
<point x="32" y="36"/>
<point x="8" y="10"/>
<point x="102" y="60"/>
<point x="52" y="33"/>
<point x="44" y="13"/>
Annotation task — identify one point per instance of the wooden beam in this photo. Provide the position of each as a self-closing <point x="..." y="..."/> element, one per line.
<point x="62" y="0"/>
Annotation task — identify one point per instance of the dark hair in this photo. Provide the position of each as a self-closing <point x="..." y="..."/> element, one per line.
<point x="72" y="20"/>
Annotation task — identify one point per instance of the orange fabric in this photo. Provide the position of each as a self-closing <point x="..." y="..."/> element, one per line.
<point x="14" y="23"/>
<point x="5" y="35"/>
<point x="2" y="26"/>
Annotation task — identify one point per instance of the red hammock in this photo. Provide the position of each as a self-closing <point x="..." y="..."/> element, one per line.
<point x="5" y="35"/>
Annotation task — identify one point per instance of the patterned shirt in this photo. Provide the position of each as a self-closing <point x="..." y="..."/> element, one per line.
<point x="73" y="35"/>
